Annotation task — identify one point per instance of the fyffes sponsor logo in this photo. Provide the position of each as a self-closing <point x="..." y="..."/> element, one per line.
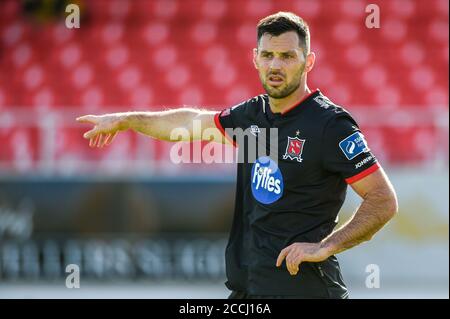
<point x="267" y="181"/>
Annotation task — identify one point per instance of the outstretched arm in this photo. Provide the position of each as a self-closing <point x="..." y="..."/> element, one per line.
<point x="378" y="207"/>
<point x="199" y="124"/>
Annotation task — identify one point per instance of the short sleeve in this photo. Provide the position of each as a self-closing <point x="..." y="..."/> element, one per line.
<point x="231" y="118"/>
<point x="346" y="151"/>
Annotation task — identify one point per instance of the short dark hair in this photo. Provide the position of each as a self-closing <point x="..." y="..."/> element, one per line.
<point x="282" y="22"/>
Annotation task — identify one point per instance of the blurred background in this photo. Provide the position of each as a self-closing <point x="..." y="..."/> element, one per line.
<point x="140" y="226"/>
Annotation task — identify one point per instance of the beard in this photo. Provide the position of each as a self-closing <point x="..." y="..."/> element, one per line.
<point x="281" y="91"/>
<point x="285" y="89"/>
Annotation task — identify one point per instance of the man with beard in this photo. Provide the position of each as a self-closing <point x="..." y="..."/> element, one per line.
<point x="283" y="243"/>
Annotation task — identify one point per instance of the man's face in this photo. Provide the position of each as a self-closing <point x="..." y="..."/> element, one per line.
<point x="281" y="63"/>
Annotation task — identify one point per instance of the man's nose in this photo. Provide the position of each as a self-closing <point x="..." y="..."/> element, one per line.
<point x="275" y="64"/>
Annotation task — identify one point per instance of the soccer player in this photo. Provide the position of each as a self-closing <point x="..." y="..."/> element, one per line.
<point x="283" y="243"/>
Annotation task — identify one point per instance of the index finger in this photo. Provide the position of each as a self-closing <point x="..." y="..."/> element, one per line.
<point x="282" y="255"/>
<point x="92" y="119"/>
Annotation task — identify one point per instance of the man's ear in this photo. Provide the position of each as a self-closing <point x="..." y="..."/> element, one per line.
<point x="255" y="54"/>
<point x="310" y="60"/>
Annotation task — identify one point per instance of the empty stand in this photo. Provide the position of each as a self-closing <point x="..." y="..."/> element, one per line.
<point x="153" y="54"/>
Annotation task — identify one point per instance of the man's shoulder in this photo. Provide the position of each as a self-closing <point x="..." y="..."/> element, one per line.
<point x="252" y="105"/>
<point x="327" y="107"/>
<point x="327" y="110"/>
<point x="260" y="99"/>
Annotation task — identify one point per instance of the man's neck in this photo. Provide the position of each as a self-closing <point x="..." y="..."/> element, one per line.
<point x="282" y="105"/>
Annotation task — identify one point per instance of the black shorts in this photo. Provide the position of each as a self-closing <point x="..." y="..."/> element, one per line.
<point x="243" y="295"/>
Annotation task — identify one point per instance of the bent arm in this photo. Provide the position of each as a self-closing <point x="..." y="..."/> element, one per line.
<point x="378" y="207"/>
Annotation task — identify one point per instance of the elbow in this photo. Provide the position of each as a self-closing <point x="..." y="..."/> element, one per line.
<point x="384" y="201"/>
<point x="391" y="205"/>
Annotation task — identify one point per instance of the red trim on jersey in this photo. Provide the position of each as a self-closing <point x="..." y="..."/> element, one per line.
<point x="299" y="102"/>
<point x="363" y="174"/>
<point x="221" y="129"/>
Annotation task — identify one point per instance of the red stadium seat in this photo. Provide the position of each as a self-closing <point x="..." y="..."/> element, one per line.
<point x="164" y="53"/>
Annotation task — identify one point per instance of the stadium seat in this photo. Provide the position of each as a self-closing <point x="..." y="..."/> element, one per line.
<point x="157" y="54"/>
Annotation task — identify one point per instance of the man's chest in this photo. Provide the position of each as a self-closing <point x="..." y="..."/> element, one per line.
<point x="296" y="142"/>
<point x="282" y="156"/>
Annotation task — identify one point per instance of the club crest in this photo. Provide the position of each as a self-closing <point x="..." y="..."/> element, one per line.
<point x="294" y="149"/>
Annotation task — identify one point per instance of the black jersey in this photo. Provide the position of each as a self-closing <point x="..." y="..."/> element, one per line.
<point x="295" y="198"/>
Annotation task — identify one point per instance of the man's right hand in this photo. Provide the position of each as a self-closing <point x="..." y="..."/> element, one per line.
<point x="105" y="128"/>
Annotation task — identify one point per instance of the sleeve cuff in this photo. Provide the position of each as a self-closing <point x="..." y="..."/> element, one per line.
<point x="222" y="130"/>
<point x="363" y="174"/>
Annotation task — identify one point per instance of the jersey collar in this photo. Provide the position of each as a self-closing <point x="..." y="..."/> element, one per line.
<point x="294" y="107"/>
